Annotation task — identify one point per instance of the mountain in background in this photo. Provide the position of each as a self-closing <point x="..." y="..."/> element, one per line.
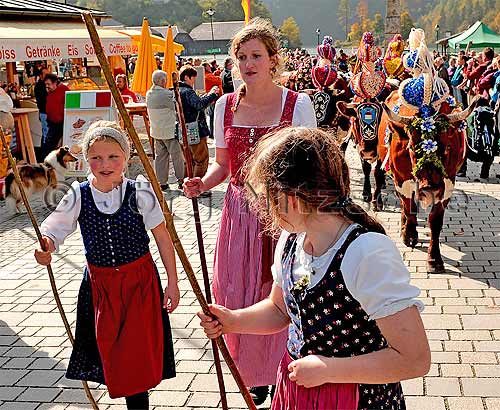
<point x="451" y="15"/>
<point x="323" y="14"/>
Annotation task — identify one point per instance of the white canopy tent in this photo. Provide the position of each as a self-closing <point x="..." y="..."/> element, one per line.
<point x="24" y="41"/>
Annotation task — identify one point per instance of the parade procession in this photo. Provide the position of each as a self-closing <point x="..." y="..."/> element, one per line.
<point x="325" y="238"/>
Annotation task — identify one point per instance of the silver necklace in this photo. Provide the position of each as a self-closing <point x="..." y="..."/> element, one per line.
<point x="307" y="261"/>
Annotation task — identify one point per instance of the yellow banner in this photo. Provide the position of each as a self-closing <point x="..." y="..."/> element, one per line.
<point x="246" y="9"/>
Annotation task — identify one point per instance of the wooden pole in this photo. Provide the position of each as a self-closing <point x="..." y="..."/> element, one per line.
<point x="11" y="71"/>
<point x="199" y="233"/>
<point x="129" y="127"/>
<point x="49" y="268"/>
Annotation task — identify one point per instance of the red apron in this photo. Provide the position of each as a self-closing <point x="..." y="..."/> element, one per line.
<point x="128" y="325"/>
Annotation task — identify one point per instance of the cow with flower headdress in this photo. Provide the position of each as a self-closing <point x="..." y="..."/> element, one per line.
<point x="365" y="112"/>
<point x="425" y="130"/>
<point x="329" y="89"/>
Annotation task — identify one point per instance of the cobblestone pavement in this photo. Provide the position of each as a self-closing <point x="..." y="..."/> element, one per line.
<point x="462" y="315"/>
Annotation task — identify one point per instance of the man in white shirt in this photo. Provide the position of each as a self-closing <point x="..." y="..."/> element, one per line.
<point x="161" y="111"/>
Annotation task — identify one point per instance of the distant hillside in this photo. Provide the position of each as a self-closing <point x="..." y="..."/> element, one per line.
<point x="451" y="15"/>
<point x="323" y="14"/>
<point x="458" y="15"/>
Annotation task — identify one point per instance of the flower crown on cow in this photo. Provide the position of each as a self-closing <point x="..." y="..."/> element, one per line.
<point x="369" y="82"/>
<point x="425" y="91"/>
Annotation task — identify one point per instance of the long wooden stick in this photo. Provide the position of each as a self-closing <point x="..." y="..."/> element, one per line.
<point x="199" y="233"/>
<point x="52" y="280"/>
<point x="129" y="127"/>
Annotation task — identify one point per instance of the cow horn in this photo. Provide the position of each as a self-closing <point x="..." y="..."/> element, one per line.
<point x="462" y="115"/>
<point x="349" y="105"/>
<point x="395" y="117"/>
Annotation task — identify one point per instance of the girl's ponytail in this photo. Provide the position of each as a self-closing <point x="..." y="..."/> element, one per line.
<point x="358" y="215"/>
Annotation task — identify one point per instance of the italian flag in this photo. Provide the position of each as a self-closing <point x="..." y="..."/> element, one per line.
<point x="246" y="9"/>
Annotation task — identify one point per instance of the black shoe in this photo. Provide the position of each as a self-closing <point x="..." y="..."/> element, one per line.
<point x="165" y="187"/>
<point x="259" y="394"/>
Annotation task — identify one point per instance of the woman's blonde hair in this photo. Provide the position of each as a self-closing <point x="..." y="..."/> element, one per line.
<point x="308" y="164"/>
<point x="262" y="30"/>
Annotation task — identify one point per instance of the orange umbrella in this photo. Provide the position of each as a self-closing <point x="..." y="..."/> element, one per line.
<point x="169" y="63"/>
<point x="146" y="63"/>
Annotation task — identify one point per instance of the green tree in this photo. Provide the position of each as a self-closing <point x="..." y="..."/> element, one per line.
<point x="343" y="16"/>
<point x="407" y="24"/>
<point x="291" y="31"/>
<point x="185" y="13"/>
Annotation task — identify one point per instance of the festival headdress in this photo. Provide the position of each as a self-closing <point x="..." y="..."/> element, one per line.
<point x="324" y="73"/>
<point x="426" y="90"/>
<point x="393" y="60"/>
<point x="324" y="76"/>
<point x="369" y="82"/>
<point x="326" y="51"/>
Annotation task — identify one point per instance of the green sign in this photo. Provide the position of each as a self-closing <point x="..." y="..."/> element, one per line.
<point x="213" y="50"/>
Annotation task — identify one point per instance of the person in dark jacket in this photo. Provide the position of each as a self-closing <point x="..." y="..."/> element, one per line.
<point x="227" y="76"/>
<point x="193" y="107"/>
<point x="441" y="70"/>
<point x="41" y="103"/>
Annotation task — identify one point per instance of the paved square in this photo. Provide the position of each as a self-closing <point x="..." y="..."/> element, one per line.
<point x="462" y="314"/>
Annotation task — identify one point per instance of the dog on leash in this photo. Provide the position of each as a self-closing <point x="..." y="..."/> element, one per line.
<point x="37" y="178"/>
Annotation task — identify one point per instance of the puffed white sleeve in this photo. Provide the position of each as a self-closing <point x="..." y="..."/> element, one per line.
<point x="303" y="114"/>
<point x="219" y="111"/>
<point x="377" y="278"/>
<point x="147" y="203"/>
<point x="277" y="269"/>
<point x="63" y="221"/>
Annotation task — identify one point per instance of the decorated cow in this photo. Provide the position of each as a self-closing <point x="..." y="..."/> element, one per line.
<point x="329" y="89"/>
<point x="365" y="113"/>
<point x="426" y="131"/>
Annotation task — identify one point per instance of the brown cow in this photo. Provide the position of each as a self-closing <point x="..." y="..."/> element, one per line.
<point x="429" y="183"/>
<point x="370" y="147"/>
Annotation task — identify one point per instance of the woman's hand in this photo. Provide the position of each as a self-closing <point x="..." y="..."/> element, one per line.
<point x="44" y="257"/>
<point x="310" y="371"/>
<point x="224" y="318"/>
<point x="171" y="297"/>
<point x="193" y="187"/>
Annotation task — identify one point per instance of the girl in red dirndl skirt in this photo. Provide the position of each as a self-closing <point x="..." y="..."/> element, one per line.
<point x="123" y="337"/>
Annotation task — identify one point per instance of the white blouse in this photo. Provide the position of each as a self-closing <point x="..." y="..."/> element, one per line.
<point x="63" y="221"/>
<point x="303" y="115"/>
<point x="372" y="268"/>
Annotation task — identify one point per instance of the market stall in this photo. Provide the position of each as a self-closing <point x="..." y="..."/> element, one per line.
<point x="23" y="43"/>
